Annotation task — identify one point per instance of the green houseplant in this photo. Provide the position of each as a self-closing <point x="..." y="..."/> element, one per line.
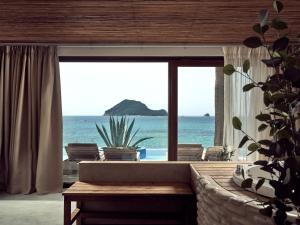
<point x="281" y="92"/>
<point x="120" y="143"/>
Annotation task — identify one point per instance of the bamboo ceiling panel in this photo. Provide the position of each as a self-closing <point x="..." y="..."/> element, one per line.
<point x="135" y="21"/>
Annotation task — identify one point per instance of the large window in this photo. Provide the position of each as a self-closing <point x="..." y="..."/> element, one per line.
<point x="91" y="87"/>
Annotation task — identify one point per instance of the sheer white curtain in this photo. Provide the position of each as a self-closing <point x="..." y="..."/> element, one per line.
<point x="245" y="105"/>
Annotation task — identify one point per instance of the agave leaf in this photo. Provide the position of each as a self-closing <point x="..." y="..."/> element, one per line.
<point x="116" y="124"/>
<point x="106" y="135"/>
<point x="140" y="140"/>
<point x="122" y="131"/>
<point x="106" y="141"/>
<point x="112" y="130"/>
<point x="118" y="133"/>
<point x="133" y="136"/>
<point x="128" y="133"/>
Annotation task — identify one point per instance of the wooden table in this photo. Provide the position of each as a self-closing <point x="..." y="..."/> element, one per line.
<point x="221" y="173"/>
<point x="81" y="191"/>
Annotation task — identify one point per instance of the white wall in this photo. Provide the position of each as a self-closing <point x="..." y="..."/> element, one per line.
<point x="140" y="50"/>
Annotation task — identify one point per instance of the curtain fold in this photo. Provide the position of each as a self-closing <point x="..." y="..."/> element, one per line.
<point x="245" y="105"/>
<point x="30" y="119"/>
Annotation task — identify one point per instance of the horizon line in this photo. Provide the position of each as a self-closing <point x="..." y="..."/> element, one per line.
<point x="141" y="115"/>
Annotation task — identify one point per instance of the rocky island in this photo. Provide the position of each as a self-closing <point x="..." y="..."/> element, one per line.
<point x="134" y="108"/>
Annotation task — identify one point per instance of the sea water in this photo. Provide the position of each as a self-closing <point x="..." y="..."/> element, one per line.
<point x="191" y="130"/>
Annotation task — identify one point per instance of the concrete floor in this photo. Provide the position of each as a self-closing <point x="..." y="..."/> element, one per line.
<point x="31" y="209"/>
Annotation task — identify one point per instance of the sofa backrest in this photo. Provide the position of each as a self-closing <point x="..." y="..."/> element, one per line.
<point x="99" y="171"/>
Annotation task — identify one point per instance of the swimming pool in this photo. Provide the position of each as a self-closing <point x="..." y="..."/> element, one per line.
<point x="157" y="154"/>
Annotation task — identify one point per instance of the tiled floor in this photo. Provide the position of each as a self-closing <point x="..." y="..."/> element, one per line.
<point x="31" y="209"/>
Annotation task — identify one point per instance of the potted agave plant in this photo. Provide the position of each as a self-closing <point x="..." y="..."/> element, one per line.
<point x="120" y="145"/>
<point x="281" y="92"/>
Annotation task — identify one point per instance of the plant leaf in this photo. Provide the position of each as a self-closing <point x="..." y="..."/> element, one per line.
<point x="106" y="135"/>
<point x="281" y="44"/>
<point x="265" y="142"/>
<point x="267" y="100"/>
<point x="274" y="62"/>
<point x="130" y="140"/>
<point x="277" y="96"/>
<point x="112" y="128"/>
<point x="278" y="24"/>
<point x="106" y="141"/>
<point x="229" y="69"/>
<point x="268" y="211"/>
<point x="253" y="42"/>
<point x="237" y="124"/>
<point x="140" y="140"/>
<point x="278" y="6"/>
<point x="259" y="183"/>
<point x="263" y="17"/>
<point x="263" y="117"/>
<point x="128" y="133"/>
<point x="253" y="147"/>
<point x="248" y="87"/>
<point x="262" y="127"/>
<point x="243" y="141"/>
<point x="247" y="183"/>
<point x="260" y="29"/>
<point x="246" y="66"/>
<point x="261" y="162"/>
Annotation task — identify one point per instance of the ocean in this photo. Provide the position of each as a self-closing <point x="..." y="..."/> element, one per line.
<point x="196" y="130"/>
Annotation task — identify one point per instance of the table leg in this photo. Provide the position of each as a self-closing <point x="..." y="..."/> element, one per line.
<point x="67" y="211"/>
<point x="79" y="219"/>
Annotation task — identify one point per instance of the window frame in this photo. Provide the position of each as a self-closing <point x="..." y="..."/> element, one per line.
<point x="173" y="64"/>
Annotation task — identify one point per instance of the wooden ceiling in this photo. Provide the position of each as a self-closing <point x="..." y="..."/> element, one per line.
<point x="135" y="21"/>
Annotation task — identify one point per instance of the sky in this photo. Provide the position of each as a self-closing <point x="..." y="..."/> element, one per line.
<point x="92" y="88"/>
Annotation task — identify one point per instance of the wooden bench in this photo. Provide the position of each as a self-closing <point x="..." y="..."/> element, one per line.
<point x="82" y="151"/>
<point x="130" y="203"/>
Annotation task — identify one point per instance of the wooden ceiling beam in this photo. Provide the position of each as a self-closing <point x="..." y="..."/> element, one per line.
<point x="135" y="21"/>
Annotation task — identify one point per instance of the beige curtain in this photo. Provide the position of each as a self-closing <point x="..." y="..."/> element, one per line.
<point x="30" y="120"/>
<point x="245" y="105"/>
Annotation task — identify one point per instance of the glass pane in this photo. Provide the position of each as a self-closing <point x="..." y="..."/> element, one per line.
<point x="90" y="89"/>
<point x="196" y="111"/>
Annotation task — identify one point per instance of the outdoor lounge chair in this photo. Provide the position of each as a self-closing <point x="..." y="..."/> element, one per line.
<point x="82" y="152"/>
<point x="189" y="152"/>
<point x="212" y="153"/>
